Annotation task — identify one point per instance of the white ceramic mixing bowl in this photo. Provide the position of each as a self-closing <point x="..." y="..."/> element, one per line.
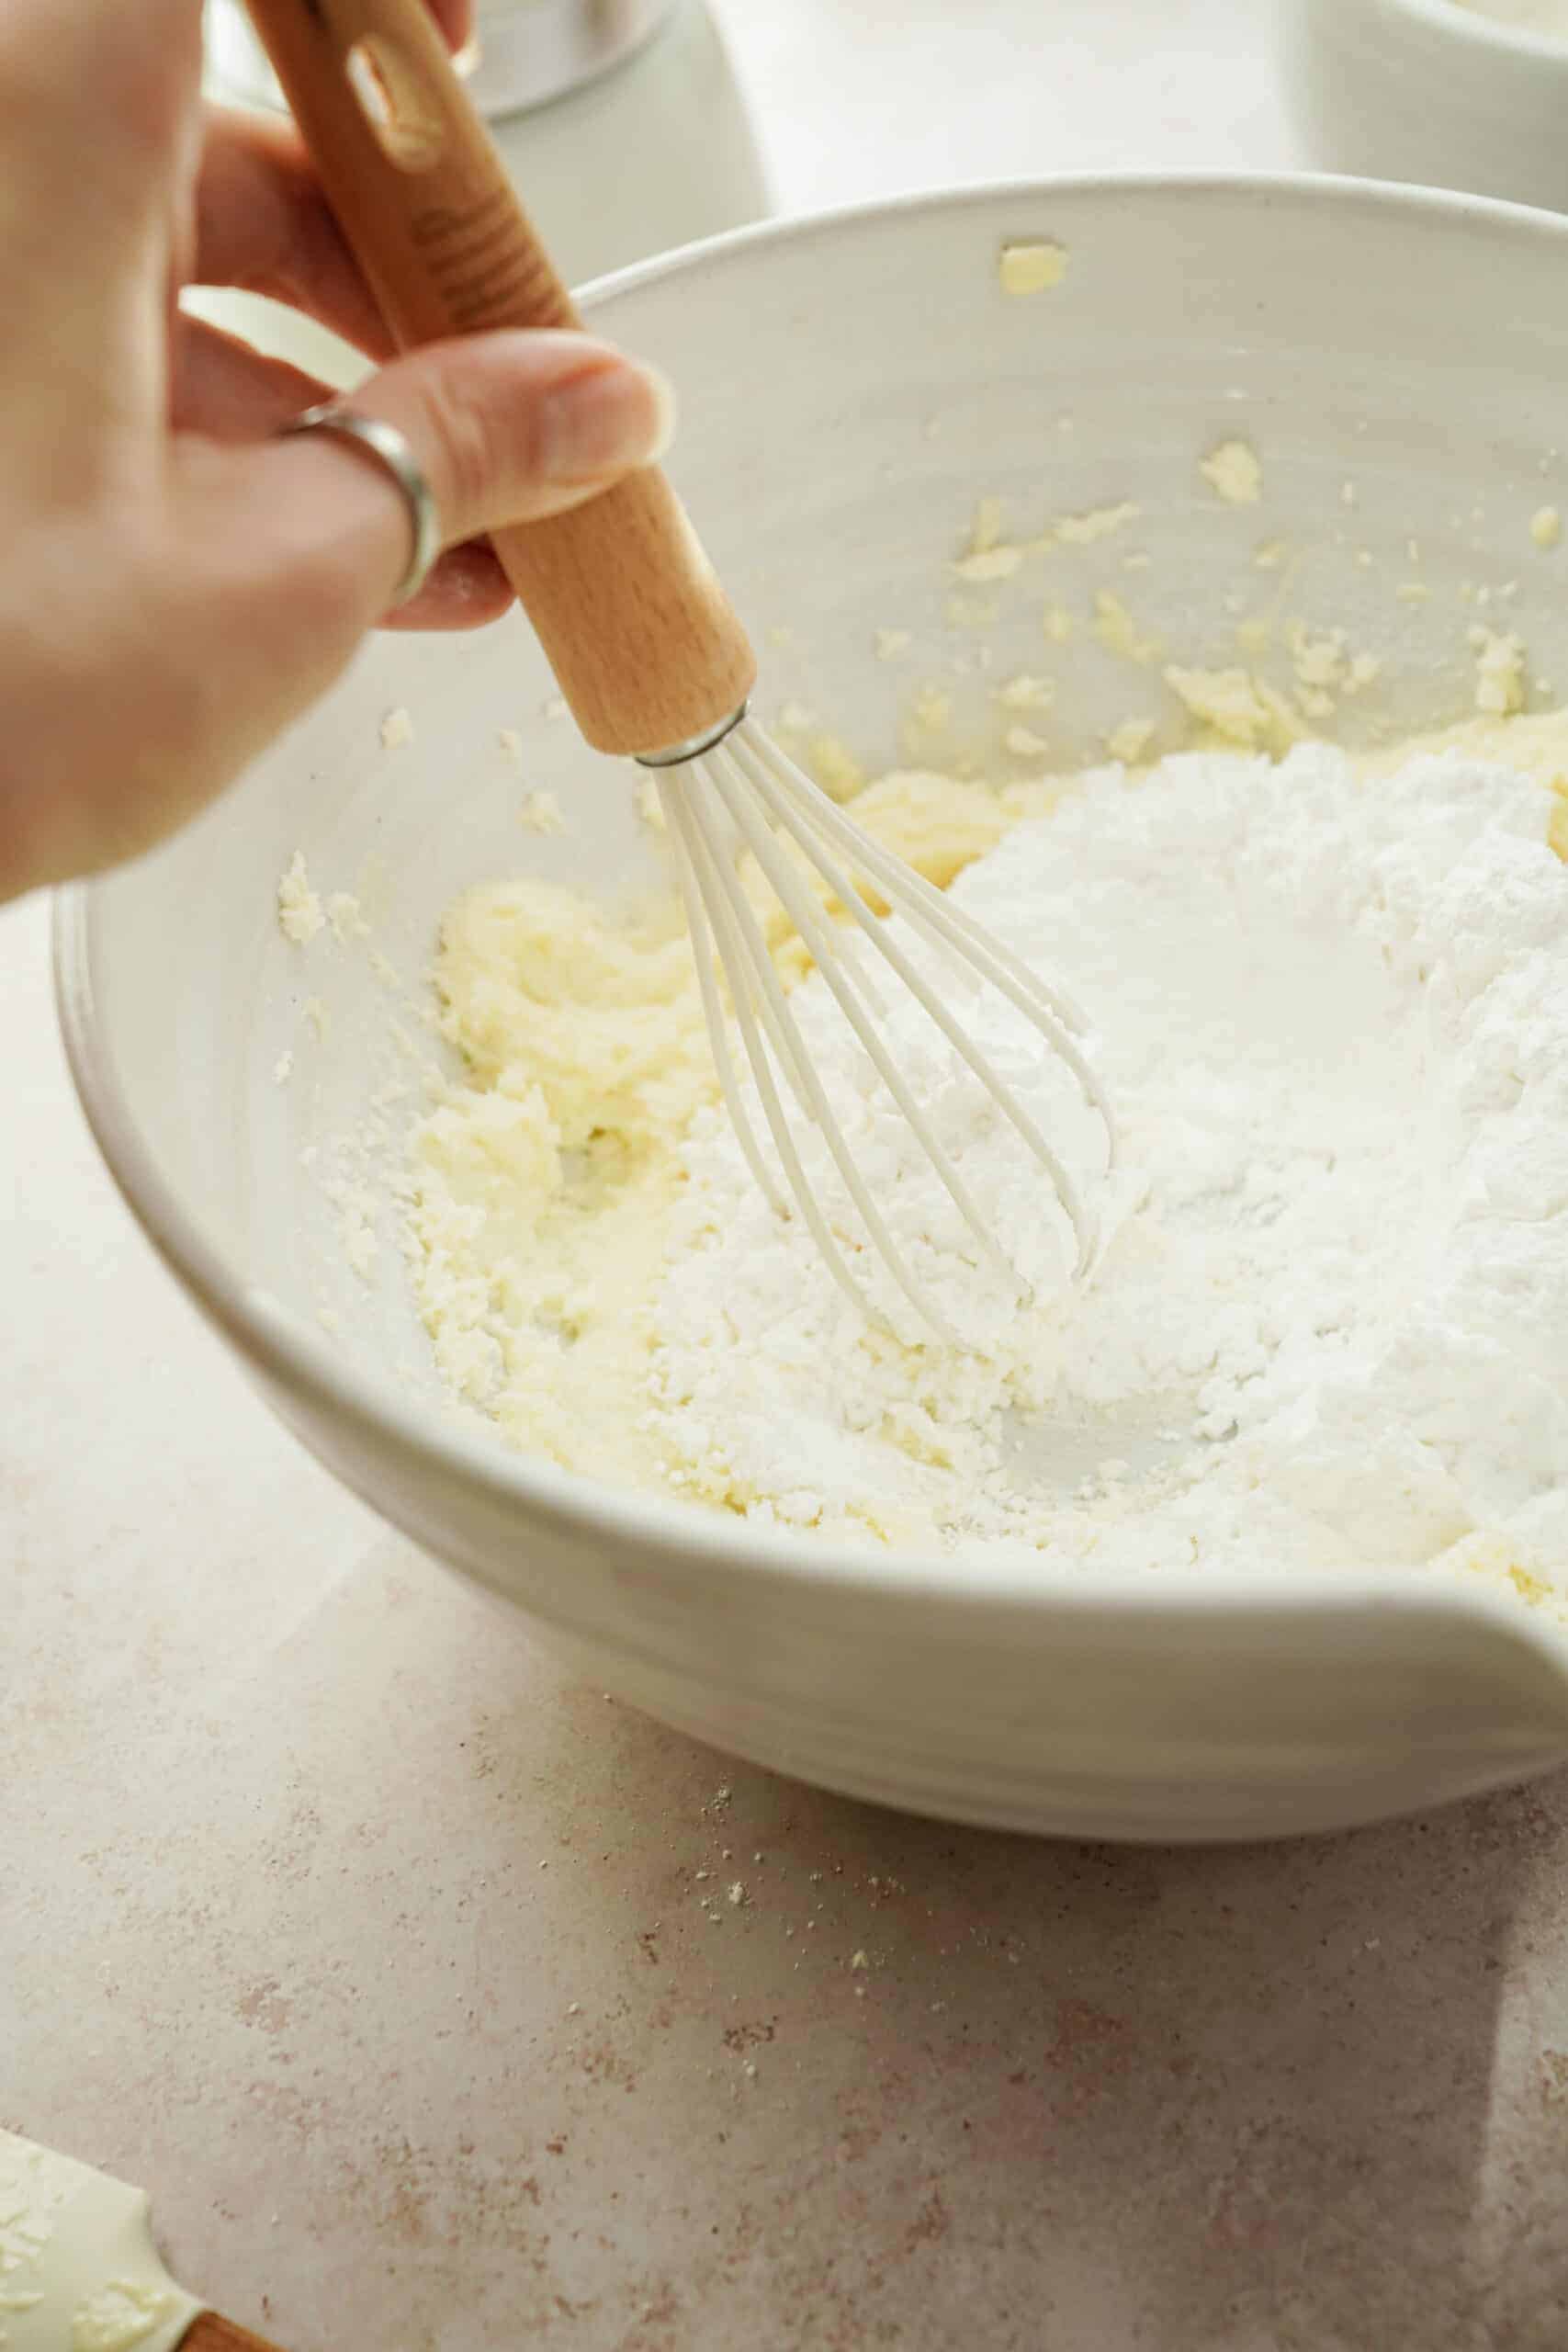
<point x="851" y="385"/>
<point x="1427" y="91"/>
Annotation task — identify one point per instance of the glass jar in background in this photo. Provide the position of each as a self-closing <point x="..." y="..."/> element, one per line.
<point x="524" y="52"/>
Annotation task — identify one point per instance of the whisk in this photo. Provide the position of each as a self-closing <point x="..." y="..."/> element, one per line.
<point x="651" y="657"/>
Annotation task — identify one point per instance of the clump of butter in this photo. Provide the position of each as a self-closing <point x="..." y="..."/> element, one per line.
<point x="545" y="1175"/>
<point x="1234" y="472"/>
<point x="1032" y="267"/>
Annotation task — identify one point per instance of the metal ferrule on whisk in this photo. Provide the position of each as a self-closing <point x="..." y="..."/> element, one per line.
<point x="694" y="745"/>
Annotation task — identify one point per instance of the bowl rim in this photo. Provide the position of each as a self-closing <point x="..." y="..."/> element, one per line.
<point x="284" y="1347"/>
<point x="1474" y="26"/>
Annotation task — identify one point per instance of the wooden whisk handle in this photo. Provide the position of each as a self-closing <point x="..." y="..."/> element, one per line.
<point x="641" y="637"/>
<point x="209" y="2333"/>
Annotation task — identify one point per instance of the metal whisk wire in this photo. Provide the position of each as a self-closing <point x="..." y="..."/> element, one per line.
<point x="747" y="780"/>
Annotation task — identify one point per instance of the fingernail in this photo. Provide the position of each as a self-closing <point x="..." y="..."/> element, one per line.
<point x="606" y="421"/>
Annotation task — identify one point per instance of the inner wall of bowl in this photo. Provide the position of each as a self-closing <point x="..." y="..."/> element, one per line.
<point x="851" y="389"/>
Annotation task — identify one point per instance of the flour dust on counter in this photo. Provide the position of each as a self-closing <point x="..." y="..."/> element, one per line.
<point x="1326" y="1324"/>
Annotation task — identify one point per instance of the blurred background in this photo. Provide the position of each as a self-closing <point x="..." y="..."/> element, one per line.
<point x="691" y="117"/>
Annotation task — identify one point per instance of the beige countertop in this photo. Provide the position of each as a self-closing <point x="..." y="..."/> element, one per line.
<point x="404" y="1972"/>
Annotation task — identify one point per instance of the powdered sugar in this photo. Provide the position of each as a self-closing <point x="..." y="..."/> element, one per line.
<point x="1330" y="1320"/>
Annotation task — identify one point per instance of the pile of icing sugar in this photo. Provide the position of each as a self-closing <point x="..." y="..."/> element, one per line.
<point x="1329" y="1322"/>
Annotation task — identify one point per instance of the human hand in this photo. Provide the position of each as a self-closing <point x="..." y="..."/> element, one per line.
<point x="175" y="585"/>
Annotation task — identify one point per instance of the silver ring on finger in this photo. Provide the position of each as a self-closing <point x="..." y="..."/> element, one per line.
<point x="391" y="452"/>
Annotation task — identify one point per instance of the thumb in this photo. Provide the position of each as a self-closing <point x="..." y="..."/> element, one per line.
<point x="505" y="428"/>
<point x="299" y="545"/>
<point x="272" y="560"/>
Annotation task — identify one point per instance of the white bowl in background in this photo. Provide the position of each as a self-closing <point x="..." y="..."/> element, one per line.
<point x="1429" y="92"/>
<point x="851" y="384"/>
